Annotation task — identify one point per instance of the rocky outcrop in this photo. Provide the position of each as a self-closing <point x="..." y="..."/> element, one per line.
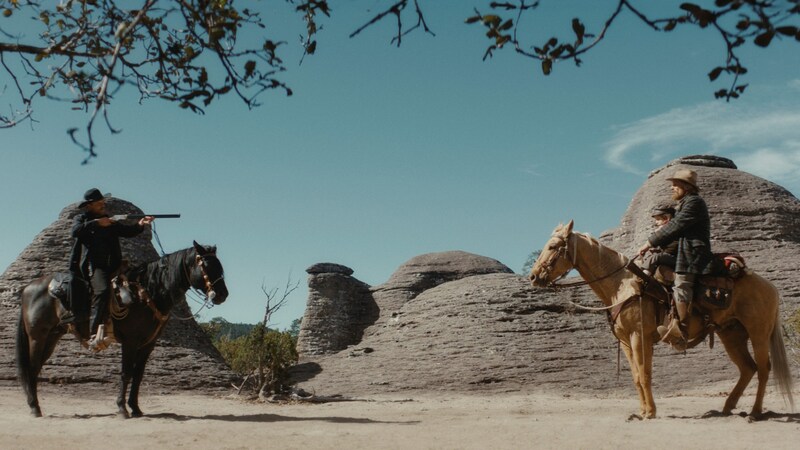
<point x="430" y="270"/>
<point x="339" y="308"/>
<point x="494" y="332"/>
<point x="184" y="357"/>
<point x="751" y="215"/>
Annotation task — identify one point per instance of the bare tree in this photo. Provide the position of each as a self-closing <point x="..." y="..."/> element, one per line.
<point x="274" y="302"/>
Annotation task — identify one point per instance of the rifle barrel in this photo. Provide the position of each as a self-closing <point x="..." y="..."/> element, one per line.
<point x="157" y="216"/>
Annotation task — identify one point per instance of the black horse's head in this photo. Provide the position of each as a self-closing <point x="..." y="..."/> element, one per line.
<point x="207" y="274"/>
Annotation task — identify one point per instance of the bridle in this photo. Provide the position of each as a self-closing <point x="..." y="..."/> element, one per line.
<point x="200" y="260"/>
<point x="563" y="251"/>
<point x="550" y="264"/>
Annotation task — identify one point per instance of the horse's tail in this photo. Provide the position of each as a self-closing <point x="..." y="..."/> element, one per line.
<point x="780" y="364"/>
<point x="23" y="354"/>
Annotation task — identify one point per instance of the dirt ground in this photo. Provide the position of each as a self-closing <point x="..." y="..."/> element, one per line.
<point x="416" y="420"/>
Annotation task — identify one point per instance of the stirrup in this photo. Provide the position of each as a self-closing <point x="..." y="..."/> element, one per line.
<point x="100" y="341"/>
<point x="672" y="331"/>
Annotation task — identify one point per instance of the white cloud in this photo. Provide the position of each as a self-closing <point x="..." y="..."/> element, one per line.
<point x="761" y="140"/>
<point x="777" y="164"/>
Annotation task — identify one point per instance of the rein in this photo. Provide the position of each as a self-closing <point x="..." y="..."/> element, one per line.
<point x="207" y="296"/>
<point x="204" y="304"/>
<point x="555" y="285"/>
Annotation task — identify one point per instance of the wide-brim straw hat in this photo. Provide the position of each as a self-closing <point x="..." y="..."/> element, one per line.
<point x="685" y="175"/>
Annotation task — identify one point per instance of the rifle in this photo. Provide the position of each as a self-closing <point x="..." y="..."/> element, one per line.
<point x="140" y="216"/>
<point x="119" y="217"/>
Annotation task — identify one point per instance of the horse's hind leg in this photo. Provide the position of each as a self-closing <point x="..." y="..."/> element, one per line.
<point x="761" y="353"/>
<point x="35" y="344"/>
<point x="734" y="338"/>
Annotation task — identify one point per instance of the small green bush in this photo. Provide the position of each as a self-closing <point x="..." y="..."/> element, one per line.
<point x="263" y="358"/>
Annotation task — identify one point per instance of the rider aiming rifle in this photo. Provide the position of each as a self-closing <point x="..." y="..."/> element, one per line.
<point x="97" y="257"/>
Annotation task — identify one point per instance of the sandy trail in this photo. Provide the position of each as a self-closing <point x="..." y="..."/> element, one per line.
<point x="418" y="420"/>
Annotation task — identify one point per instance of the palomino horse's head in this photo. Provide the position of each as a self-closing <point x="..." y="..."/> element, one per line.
<point x="207" y="274"/>
<point x="553" y="262"/>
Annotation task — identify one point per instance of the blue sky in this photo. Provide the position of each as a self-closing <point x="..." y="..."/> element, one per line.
<point x="385" y="153"/>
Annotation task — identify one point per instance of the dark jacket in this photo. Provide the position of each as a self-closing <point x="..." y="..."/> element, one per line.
<point x="96" y="246"/>
<point x="691" y="227"/>
<point x="671" y="248"/>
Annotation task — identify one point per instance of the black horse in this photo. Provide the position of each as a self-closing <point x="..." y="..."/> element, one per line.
<point x="164" y="281"/>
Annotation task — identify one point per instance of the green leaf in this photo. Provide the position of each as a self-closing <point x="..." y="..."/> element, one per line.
<point x="547" y="66"/>
<point x="714" y="74"/>
<point x="763" y="39"/>
<point x="578" y="28"/>
<point x="703" y="16"/>
<point x="472" y="19"/>
<point x="492" y="19"/>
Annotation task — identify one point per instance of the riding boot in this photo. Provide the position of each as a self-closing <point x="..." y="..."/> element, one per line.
<point x="675" y="333"/>
<point x="98" y="316"/>
<point x="82" y="328"/>
<point x="99" y="311"/>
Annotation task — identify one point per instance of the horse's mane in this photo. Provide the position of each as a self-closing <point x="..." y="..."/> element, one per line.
<point x="164" y="278"/>
<point x="600" y="246"/>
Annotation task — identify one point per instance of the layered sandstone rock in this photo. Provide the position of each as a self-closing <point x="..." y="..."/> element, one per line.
<point x="492" y="331"/>
<point x="339" y="308"/>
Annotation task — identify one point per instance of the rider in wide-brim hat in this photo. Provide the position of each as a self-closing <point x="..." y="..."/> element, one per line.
<point x="91" y="196"/>
<point x="686" y="176"/>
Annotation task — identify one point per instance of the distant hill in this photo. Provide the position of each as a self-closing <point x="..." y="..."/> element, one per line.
<point x="217" y="328"/>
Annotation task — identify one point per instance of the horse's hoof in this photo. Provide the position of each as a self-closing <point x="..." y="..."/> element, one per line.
<point x="123" y="414"/>
<point x="136" y="413"/>
<point x="36" y="412"/>
<point x="754" y="418"/>
<point x="633" y="417"/>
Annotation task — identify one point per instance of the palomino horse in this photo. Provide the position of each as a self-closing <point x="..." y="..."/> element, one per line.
<point x="753" y="315"/>
<point x="164" y="282"/>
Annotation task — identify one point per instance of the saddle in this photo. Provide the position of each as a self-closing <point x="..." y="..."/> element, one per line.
<point x="71" y="290"/>
<point x="712" y="292"/>
<point x="715" y="292"/>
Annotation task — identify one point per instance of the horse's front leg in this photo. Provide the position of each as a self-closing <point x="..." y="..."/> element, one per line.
<point x="635" y="374"/>
<point x="642" y="349"/>
<point x="138" y="374"/>
<point x="128" y="355"/>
